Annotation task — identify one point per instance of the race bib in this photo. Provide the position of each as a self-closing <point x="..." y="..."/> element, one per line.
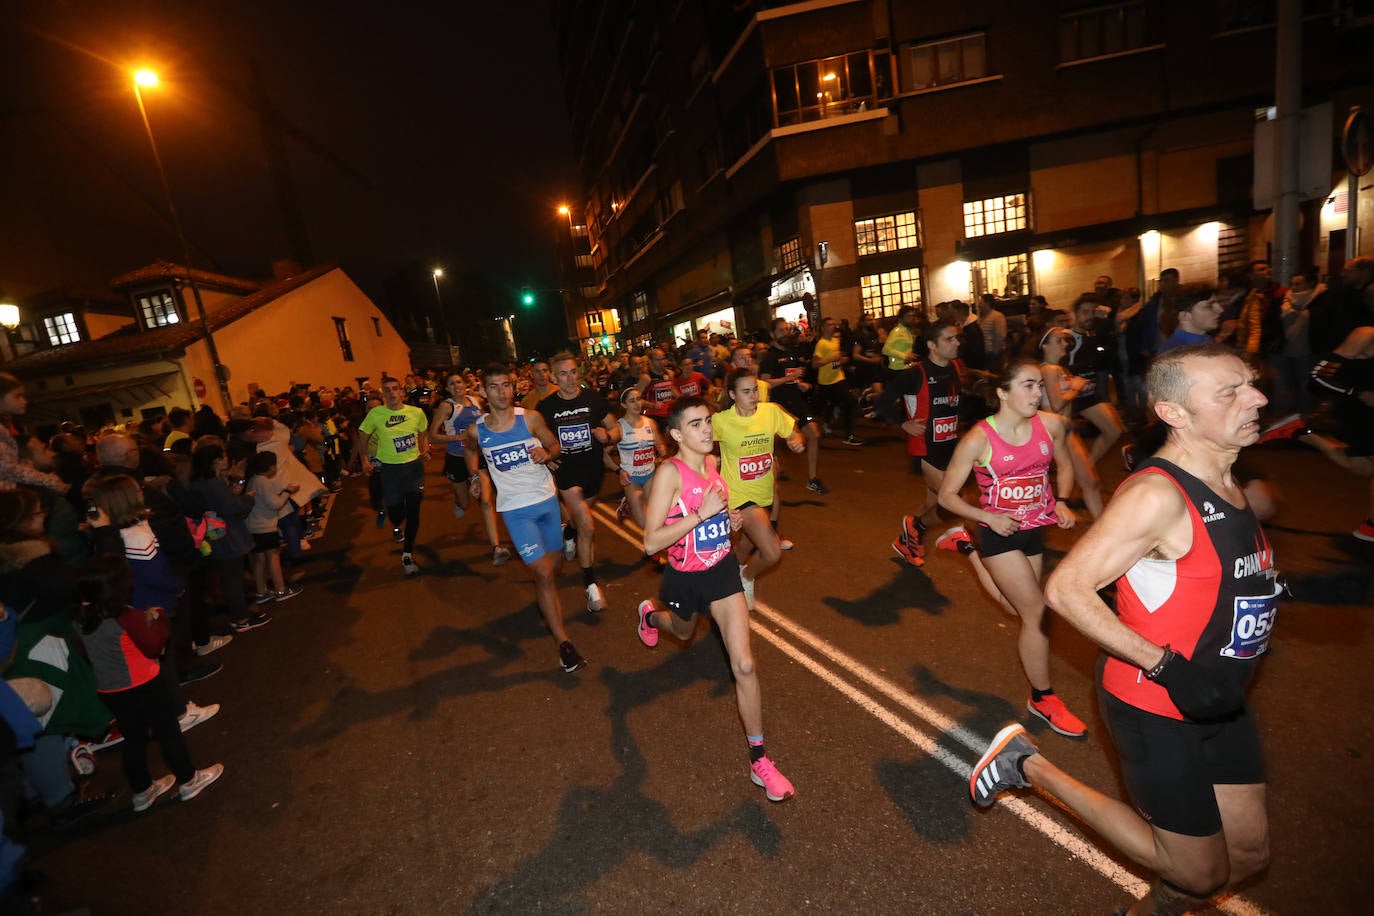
<point x="402" y="444"/>
<point x="1252" y="621"/>
<point x="664" y="394"/>
<point x="575" y="438"/>
<point x="944" y="429"/>
<point x="1016" y="494"/>
<point x="510" y="457"/>
<point x="642" y="459"/>
<point x="712" y="536"/>
<point x="754" y="467"/>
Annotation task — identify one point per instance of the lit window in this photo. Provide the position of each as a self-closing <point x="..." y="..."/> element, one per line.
<point x="158" y="310"/>
<point x="61" y="329"/>
<point x="824" y="88"/>
<point x="1003" y="277"/>
<point x="888" y="233"/>
<point x="1102" y="31"/>
<point x="789" y="255"/>
<point x="944" y="63"/>
<point x="995" y="215"/>
<point x="884" y="294"/>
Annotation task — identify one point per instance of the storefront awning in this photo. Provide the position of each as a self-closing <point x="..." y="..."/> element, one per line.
<point x="696" y="307"/>
<point x="128" y="392"/>
<point x="1010" y="243"/>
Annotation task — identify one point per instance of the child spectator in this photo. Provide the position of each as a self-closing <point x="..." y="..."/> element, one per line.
<point x="271" y="500"/>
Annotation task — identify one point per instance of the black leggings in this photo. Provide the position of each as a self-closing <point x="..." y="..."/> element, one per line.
<point x="838" y="396"/>
<point x="149" y="707"/>
<point x="408" y="512"/>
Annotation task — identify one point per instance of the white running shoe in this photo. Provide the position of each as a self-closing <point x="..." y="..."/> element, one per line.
<point x="144" y="800"/>
<point x="748" y="585"/>
<point x="199" y="781"/>
<point x="596" y="602"/>
<point x="194" y="715"/>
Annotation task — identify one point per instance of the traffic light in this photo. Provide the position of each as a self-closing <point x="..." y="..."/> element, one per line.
<point x="527" y="296"/>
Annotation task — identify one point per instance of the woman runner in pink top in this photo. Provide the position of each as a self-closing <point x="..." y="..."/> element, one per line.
<point x="689" y="516"/>
<point x="1010" y="454"/>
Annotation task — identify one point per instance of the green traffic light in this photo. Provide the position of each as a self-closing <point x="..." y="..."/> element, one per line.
<point x="527" y="298"/>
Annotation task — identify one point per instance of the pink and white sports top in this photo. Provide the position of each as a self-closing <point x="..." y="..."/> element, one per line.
<point x="709" y="542"/>
<point x="1015" y="479"/>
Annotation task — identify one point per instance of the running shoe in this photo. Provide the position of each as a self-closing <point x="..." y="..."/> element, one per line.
<point x="1366" y="530"/>
<point x="216" y="642"/>
<point x="1057" y="715"/>
<point x="763" y="772"/>
<point x="1130" y="457"/>
<point x="499" y="556"/>
<point x="198" y="673"/>
<point x="144" y="800"/>
<point x="381" y="519"/>
<point x="647" y="634"/>
<point x="913" y="529"/>
<point x="112" y="738"/>
<point x="408" y="565"/>
<point x="199" y="781"/>
<point x="569" y="542"/>
<point x="397" y="536"/>
<point x="1290" y="427"/>
<point x="264" y="598"/>
<point x="194" y="715"/>
<point x="902" y="550"/>
<point x="83" y="759"/>
<point x="1001" y="766"/>
<point x="622" y="511"/>
<point x="251" y="622"/>
<point x="287" y="593"/>
<point x="955" y="538"/>
<point x="785" y="543"/>
<point x="596" y="601"/>
<point x="815" y="486"/>
<point x="569" y="657"/>
<point x="748" y="586"/>
<point x="458" y="511"/>
<point x="852" y="439"/>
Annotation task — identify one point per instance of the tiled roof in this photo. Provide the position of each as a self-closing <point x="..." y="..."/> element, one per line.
<point x="129" y="342"/>
<point x="166" y="270"/>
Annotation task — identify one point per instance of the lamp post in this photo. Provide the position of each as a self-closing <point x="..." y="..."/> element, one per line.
<point x="9" y="320"/>
<point x="147" y="79"/>
<point x="443" y="319"/>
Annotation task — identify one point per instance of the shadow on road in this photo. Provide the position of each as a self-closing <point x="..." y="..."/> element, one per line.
<point x="884" y="605"/>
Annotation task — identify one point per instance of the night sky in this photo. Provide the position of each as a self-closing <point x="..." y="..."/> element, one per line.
<point x="417" y="134"/>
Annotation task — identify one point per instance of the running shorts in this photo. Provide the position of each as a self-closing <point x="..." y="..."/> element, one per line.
<point x="266" y="542"/>
<point x="585" y="471"/>
<point x="1170" y="766"/>
<point x="535" y="530"/>
<point x="456" y="468"/>
<point x="686" y="594"/>
<point x="640" y="481"/>
<point x="938" y="455"/>
<point x="400" y="480"/>
<point x="1030" y="541"/>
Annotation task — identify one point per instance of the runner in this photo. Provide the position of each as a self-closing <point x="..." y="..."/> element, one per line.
<point x="785" y="373"/>
<point x="1196" y="592"/>
<point x="832" y="386"/>
<point x="745" y="432"/>
<point x="1064" y="392"/>
<point x="689" y="515"/>
<point x="402" y="444"/>
<point x="584" y="425"/>
<point x="1089" y="359"/>
<point x="541" y="384"/>
<point x="518" y="446"/>
<point x="452" y="417"/>
<point x="690" y="382"/>
<point x="657" y="388"/>
<point x="639" y="448"/>
<point x="1010" y="454"/>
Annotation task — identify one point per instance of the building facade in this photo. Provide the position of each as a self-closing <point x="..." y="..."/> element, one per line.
<point x="746" y="160"/>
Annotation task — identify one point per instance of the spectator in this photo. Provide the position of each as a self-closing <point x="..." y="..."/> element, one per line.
<point x="993" y="324"/>
<point x="13" y="469"/>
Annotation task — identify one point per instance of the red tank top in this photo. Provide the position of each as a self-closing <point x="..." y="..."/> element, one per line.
<point x="709" y="542"/>
<point x="1016" y="479"/>
<point x="1215" y="605"/>
<point x="658" y="396"/>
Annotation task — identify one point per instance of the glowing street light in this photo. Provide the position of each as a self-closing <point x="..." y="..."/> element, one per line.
<point x="443" y="319"/>
<point x="148" y="79"/>
<point x="9" y="316"/>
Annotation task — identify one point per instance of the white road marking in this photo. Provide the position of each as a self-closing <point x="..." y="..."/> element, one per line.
<point x="1069" y="840"/>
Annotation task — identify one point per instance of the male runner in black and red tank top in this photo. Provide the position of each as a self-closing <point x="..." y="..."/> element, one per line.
<point x="1196" y="602"/>
<point x="786" y="371"/>
<point x="656" y="388"/>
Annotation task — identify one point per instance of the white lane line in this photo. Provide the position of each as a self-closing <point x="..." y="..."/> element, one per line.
<point x="1068" y="840"/>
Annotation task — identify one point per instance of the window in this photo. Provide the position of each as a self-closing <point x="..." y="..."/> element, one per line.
<point x="789" y="255"/>
<point x="377" y="325"/>
<point x="583" y="260"/>
<point x="639" y="306"/>
<point x="944" y="63"/>
<point x="1233" y="247"/>
<point x="994" y="215"/>
<point x="823" y="88"/>
<point x="888" y="233"/>
<point x="579" y="231"/>
<point x="61" y="329"/>
<point x="1004" y="277"/>
<point x="1102" y="31"/>
<point x="595" y="325"/>
<point x="341" y="329"/>
<point x="884" y="294"/>
<point x="158" y="310"/>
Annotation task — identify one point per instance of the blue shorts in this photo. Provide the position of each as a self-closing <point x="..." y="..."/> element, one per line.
<point x="643" y="481"/>
<point x="535" y="530"/>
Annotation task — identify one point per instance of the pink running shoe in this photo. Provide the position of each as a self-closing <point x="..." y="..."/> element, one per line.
<point x="647" y="634"/>
<point x="776" y="786"/>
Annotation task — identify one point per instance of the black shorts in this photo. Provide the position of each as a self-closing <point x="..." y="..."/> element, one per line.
<point x="1170" y="766"/>
<point x="400" y="480"/>
<point x="799" y="406"/>
<point x="1030" y="541"/>
<point x="266" y="543"/>
<point x="688" y="593"/>
<point x="938" y="456"/>
<point x="585" y="471"/>
<point x="456" y="468"/>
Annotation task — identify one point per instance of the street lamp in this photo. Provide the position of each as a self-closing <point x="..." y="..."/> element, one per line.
<point x="9" y="316"/>
<point x="443" y="319"/>
<point x="148" y="79"/>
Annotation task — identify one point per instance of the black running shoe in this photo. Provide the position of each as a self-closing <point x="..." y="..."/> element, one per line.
<point x="570" y="658"/>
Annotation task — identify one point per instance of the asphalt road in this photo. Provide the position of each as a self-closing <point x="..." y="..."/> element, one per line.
<point x="411" y="746"/>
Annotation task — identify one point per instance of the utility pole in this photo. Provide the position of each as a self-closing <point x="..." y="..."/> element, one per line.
<point x="1287" y="140"/>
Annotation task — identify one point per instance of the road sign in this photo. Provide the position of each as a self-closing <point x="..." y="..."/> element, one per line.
<point x="199" y="387"/>
<point x="1357" y="141"/>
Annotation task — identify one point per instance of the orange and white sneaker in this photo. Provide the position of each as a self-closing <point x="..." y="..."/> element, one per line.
<point x="900" y="548"/>
<point x="1057" y="716"/>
